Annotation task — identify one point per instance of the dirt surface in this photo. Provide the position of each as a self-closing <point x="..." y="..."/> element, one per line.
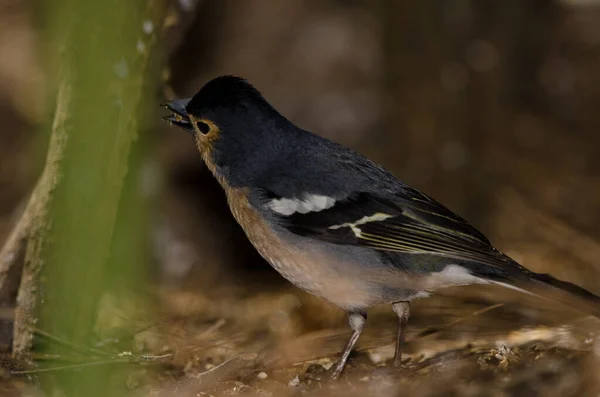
<point x="282" y="343"/>
<point x="475" y="348"/>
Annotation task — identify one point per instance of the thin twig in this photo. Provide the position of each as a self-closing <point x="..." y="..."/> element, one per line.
<point x="433" y="331"/>
<point x="225" y="371"/>
<point x="123" y="358"/>
<point x="72" y="366"/>
<point x="77" y="348"/>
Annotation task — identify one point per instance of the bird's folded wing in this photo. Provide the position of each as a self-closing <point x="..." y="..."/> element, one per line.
<point x="408" y="222"/>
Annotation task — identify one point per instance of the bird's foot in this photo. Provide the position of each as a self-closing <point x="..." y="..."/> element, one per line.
<point x="336" y="371"/>
<point x="399" y="363"/>
<point x="393" y="369"/>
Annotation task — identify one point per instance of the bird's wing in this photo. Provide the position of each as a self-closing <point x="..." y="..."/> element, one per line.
<point x="407" y="222"/>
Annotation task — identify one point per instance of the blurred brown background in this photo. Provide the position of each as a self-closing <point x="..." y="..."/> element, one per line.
<point x="492" y="107"/>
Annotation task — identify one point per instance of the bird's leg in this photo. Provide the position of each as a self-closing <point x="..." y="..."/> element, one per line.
<point x="402" y="309"/>
<point x="357" y="322"/>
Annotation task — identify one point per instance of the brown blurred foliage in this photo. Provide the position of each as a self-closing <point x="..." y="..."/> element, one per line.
<point x="488" y="106"/>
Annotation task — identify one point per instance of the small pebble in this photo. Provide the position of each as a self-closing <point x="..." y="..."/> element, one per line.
<point x="294" y="382"/>
<point x="262" y="375"/>
<point x="376" y="358"/>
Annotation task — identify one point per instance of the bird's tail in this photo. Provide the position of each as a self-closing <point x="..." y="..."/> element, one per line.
<point x="564" y="292"/>
<point x="548" y="287"/>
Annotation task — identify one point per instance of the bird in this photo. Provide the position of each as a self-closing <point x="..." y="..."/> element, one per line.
<point x="333" y="222"/>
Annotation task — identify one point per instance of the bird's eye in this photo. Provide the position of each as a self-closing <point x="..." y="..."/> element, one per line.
<point x="203" y="127"/>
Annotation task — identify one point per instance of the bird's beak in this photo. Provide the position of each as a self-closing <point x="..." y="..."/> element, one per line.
<point x="179" y="117"/>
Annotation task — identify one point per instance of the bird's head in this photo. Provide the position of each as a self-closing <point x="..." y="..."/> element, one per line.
<point x="234" y="126"/>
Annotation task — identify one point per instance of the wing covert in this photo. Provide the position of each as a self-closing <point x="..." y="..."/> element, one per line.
<point x="409" y="222"/>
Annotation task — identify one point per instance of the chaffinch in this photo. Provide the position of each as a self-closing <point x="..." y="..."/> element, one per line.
<point x="333" y="222"/>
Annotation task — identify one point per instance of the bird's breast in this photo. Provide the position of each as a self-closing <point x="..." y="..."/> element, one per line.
<point x="306" y="267"/>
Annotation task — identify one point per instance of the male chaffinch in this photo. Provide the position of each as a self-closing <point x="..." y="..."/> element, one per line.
<point x="333" y="222"/>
